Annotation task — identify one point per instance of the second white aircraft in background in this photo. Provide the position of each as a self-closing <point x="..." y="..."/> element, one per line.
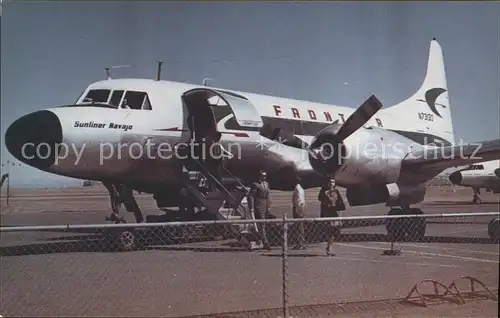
<point x="484" y="175"/>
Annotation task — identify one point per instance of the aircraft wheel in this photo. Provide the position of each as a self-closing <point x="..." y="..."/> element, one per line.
<point x="395" y="227"/>
<point x="477" y="201"/>
<point x="494" y="229"/>
<point x="126" y="240"/>
<point x="416" y="226"/>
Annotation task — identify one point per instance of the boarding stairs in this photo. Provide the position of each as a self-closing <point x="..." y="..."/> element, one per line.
<point x="222" y="197"/>
<point x="214" y="194"/>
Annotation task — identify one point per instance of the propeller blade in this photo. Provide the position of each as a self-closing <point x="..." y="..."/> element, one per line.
<point x="360" y="117"/>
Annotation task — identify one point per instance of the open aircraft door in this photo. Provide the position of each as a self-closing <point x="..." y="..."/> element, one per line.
<point x="244" y="111"/>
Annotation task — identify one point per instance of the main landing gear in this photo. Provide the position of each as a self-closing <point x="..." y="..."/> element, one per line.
<point x="476" y="198"/>
<point x="123" y="238"/>
<point x="400" y="229"/>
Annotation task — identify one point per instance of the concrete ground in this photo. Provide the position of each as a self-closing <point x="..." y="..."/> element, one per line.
<point x="54" y="274"/>
<point x="480" y="307"/>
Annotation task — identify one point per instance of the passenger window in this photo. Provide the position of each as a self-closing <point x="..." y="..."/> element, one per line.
<point x="136" y="100"/>
<point x="116" y="98"/>
<point x="97" y="96"/>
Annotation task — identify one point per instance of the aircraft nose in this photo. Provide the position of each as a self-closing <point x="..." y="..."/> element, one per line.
<point x="497" y="172"/>
<point x="456" y="177"/>
<point x="33" y="138"/>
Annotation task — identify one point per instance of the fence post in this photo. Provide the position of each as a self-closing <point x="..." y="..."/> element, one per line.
<point x="285" y="266"/>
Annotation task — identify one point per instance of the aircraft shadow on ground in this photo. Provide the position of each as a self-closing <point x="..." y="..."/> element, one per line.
<point x="95" y="243"/>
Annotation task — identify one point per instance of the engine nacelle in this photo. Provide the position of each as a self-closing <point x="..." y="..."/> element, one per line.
<point x="391" y="194"/>
<point x="368" y="156"/>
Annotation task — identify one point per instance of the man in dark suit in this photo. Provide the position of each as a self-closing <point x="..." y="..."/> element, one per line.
<point x="259" y="203"/>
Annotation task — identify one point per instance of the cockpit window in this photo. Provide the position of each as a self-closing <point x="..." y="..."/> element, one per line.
<point x="475" y="167"/>
<point x="116" y="98"/>
<point x="79" y="96"/>
<point x="97" y="96"/>
<point x="136" y="100"/>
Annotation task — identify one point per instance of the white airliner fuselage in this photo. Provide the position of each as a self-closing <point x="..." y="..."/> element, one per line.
<point x="485" y="175"/>
<point x="482" y="175"/>
<point x="117" y="133"/>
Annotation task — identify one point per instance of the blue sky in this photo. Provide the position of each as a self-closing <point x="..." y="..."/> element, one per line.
<point x="52" y="50"/>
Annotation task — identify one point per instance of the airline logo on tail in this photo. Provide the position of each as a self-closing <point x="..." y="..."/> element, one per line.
<point x="430" y="98"/>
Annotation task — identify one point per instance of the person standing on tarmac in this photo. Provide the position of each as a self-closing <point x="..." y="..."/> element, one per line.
<point x="331" y="204"/>
<point x="299" y="202"/>
<point x="259" y="203"/>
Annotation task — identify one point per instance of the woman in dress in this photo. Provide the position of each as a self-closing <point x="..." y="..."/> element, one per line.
<point x="331" y="204"/>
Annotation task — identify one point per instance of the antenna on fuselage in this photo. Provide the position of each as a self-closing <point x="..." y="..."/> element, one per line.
<point x="158" y="71"/>
<point x="206" y="79"/>
<point x="108" y="70"/>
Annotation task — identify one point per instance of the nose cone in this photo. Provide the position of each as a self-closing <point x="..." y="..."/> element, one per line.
<point x="33" y="138"/>
<point x="456" y="177"/>
<point x="497" y="172"/>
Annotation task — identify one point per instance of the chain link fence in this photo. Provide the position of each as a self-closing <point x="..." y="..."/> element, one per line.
<point x="195" y="268"/>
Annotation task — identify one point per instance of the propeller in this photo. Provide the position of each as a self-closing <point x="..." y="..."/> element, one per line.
<point x="334" y="135"/>
<point x="357" y="119"/>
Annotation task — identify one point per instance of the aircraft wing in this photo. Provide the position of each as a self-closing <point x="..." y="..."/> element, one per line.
<point x="427" y="163"/>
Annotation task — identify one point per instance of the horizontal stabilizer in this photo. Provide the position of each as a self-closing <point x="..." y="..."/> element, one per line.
<point x="442" y="158"/>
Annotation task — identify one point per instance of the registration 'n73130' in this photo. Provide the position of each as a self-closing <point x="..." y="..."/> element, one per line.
<point x="426" y="116"/>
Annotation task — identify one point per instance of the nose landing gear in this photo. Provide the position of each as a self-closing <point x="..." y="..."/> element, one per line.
<point x="122" y="238"/>
<point x="116" y="200"/>
<point x="122" y="194"/>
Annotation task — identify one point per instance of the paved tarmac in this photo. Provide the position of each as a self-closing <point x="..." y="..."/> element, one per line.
<point x="55" y="274"/>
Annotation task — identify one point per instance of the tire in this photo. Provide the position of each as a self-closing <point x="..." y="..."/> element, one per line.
<point x="395" y="227"/>
<point x="126" y="240"/>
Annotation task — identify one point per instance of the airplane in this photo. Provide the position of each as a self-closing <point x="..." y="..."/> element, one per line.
<point x="284" y="137"/>
<point x="484" y="175"/>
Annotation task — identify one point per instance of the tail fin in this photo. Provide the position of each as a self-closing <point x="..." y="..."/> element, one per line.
<point x="429" y="107"/>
